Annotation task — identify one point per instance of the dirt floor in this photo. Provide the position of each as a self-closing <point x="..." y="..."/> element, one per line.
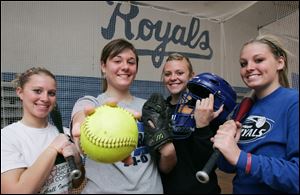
<point x="225" y="182"/>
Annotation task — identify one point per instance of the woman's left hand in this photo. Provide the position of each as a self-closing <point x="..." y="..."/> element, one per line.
<point x="204" y="111"/>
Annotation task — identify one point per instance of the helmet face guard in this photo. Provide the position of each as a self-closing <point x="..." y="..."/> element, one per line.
<point x="200" y="87"/>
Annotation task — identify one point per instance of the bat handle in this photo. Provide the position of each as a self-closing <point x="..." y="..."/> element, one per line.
<point x="75" y="172"/>
<point x="203" y="175"/>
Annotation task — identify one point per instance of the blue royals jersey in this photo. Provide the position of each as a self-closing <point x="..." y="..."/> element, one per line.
<point x="271" y="134"/>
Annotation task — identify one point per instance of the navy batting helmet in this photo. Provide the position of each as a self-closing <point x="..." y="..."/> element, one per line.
<point x="200" y="87"/>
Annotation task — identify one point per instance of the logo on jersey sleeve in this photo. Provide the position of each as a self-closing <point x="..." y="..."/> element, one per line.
<point x="254" y="128"/>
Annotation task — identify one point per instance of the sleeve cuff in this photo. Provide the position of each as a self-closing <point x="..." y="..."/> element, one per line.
<point x="244" y="163"/>
<point x="203" y="132"/>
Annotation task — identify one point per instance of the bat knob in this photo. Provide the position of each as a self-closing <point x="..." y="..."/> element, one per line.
<point x="75" y="174"/>
<point x="202" y="176"/>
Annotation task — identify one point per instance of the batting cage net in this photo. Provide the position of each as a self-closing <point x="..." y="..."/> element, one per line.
<point x="46" y="34"/>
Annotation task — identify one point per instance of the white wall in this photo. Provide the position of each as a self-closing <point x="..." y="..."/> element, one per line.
<point x="66" y="38"/>
<point x="245" y="26"/>
<point x="287" y="29"/>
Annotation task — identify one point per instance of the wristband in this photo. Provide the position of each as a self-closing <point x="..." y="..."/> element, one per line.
<point x="248" y="165"/>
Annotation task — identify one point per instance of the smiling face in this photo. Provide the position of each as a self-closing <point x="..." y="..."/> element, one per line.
<point x="259" y="68"/>
<point x="176" y="75"/>
<point x="120" y="70"/>
<point x="38" y="96"/>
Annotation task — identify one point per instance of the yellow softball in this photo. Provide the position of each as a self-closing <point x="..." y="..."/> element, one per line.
<point x="109" y="135"/>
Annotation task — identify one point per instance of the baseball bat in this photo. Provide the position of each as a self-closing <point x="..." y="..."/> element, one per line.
<point x="244" y="107"/>
<point x="57" y="120"/>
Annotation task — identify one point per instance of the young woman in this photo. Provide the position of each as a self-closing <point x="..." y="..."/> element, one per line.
<point x="266" y="157"/>
<point x="119" y="65"/>
<point x="193" y="151"/>
<point x="29" y="148"/>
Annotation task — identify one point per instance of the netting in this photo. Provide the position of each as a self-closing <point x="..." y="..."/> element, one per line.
<point x="285" y="25"/>
<point x="27" y="39"/>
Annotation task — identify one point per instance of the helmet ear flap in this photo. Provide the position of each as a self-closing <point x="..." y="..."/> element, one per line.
<point x="183" y="118"/>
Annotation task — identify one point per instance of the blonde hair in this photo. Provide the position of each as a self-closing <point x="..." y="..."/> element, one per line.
<point x="278" y="51"/>
<point x="22" y="78"/>
<point x="180" y="57"/>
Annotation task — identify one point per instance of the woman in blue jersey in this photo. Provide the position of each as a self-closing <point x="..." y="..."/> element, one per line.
<point x="266" y="157"/>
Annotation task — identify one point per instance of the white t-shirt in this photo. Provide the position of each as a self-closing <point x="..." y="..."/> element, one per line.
<point x="22" y="145"/>
<point x="116" y="178"/>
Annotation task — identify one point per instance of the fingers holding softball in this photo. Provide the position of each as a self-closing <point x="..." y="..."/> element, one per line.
<point x="111" y="101"/>
<point x="114" y="103"/>
<point x="128" y="160"/>
<point x="79" y="118"/>
<point x="137" y="115"/>
<point x="88" y="110"/>
<point x="109" y="135"/>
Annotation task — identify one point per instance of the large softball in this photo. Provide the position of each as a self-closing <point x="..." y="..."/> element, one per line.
<point x="109" y="135"/>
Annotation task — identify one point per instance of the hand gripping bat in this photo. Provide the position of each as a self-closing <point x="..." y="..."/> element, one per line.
<point x="57" y="120"/>
<point x="243" y="109"/>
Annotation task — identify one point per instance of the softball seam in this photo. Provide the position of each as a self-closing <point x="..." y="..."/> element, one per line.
<point x="109" y="142"/>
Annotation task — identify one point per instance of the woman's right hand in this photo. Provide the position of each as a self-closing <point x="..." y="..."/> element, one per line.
<point x="79" y="118"/>
<point x="70" y="149"/>
<point x="60" y="142"/>
<point x="226" y="140"/>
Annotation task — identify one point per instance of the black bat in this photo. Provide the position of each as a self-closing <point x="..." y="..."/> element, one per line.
<point x="244" y="107"/>
<point x="57" y="120"/>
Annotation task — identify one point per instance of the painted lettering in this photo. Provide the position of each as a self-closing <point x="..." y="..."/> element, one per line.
<point x="178" y="35"/>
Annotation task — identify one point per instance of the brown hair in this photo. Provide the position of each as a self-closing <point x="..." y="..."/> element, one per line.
<point x="278" y="51"/>
<point x="112" y="49"/>
<point x="23" y="78"/>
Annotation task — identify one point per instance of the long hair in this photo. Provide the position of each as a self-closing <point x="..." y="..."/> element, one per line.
<point x="278" y="51"/>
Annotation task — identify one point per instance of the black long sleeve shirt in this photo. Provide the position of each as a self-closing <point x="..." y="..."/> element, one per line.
<point x="192" y="154"/>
